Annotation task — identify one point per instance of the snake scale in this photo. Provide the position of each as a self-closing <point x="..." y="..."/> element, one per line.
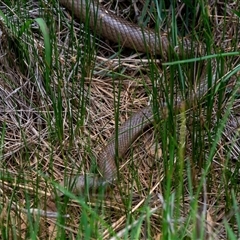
<point x="128" y="35"/>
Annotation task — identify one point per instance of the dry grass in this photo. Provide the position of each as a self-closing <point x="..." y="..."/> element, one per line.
<point x="38" y="147"/>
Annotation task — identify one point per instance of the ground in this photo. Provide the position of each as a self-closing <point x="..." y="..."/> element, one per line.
<point x="178" y="179"/>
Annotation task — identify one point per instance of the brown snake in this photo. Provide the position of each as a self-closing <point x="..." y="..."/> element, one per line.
<point x="140" y="39"/>
<point x="132" y="36"/>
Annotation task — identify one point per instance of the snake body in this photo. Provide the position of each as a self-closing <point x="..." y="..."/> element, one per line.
<point x="117" y="29"/>
<point x="128" y="35"/>
<point x="116" y="147"/>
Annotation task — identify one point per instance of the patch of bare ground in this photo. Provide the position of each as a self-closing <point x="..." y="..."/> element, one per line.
<point x="46" y="135"/>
